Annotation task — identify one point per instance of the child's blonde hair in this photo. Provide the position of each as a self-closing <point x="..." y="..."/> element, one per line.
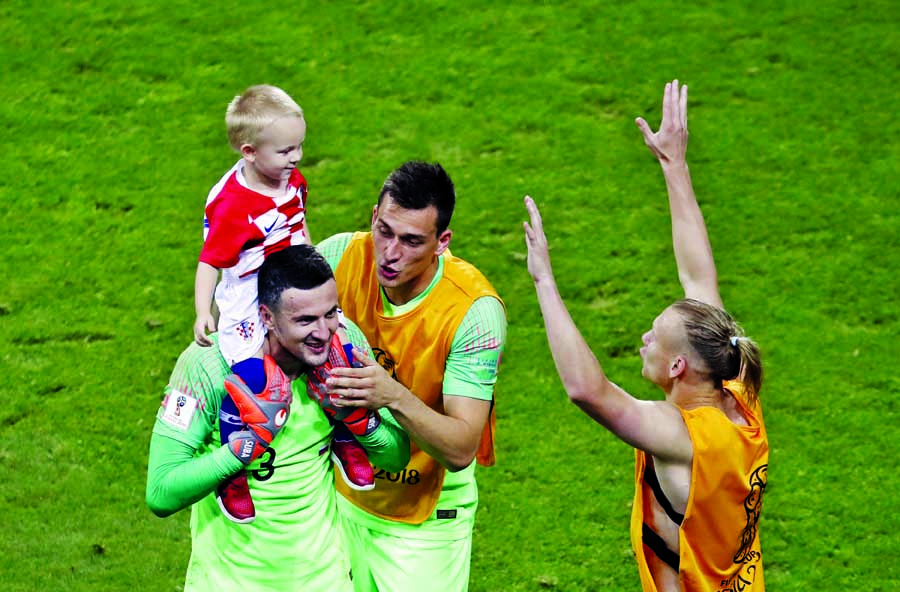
<point x="257" y="107"/>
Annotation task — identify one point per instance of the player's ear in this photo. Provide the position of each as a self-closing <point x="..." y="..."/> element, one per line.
<point x="677" y="367"/>
<point x="248" y="152"/>
<point x="374" y="214"/>
<point x="443" y="241"/>
<point x="267" y="317"/>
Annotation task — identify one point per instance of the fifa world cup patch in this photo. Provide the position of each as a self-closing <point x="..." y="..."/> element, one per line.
<point x="180" y="410"/>
<point x="245" y="330"/>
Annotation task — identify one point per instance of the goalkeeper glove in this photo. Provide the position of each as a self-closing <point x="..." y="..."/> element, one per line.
<point x="264" y="414"/>
<point x="359" y="420"/>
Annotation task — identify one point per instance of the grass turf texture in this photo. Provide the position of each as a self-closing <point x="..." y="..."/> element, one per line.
<point x="113" y="118"/>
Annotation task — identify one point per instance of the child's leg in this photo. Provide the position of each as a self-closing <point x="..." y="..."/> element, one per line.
<point x="348" y="454"/>
<point x="350" y="458"/>
<point x="340" y="432"/>
<point x="241" y="336"/>
<point x="234" y="493"/>
<point x="251" y="372"/>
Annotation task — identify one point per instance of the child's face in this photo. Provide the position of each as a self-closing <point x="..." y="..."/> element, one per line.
<point x="278" y="149"/>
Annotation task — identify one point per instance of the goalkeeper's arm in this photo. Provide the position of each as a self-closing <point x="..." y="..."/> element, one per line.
<point x="176" y="478"/>
<point x="388" y="446"/>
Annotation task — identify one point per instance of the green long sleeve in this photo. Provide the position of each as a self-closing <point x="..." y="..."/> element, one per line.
<point x="176" y="478"/>
<point x="388" y="445"/>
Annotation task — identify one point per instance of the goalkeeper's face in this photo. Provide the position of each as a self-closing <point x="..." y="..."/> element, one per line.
<point x="303" y="322"/>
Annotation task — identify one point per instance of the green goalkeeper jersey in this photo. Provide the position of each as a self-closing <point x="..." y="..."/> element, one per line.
<point x="295" y="542"/>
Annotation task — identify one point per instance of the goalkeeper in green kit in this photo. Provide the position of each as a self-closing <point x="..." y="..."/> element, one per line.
<point x="296" y="541"/>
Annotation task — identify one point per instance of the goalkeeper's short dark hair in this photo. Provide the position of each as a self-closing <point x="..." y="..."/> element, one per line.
<point x="297" y="266"/>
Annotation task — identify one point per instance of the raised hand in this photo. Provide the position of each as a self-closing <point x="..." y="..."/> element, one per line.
<point x="669" y="144"/>
<point x="536" y="240"/>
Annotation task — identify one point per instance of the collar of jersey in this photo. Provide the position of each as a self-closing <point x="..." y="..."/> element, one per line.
<point x="393" y="310"/>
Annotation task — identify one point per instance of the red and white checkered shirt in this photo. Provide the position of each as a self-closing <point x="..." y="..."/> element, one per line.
<point x="242" y="227"/>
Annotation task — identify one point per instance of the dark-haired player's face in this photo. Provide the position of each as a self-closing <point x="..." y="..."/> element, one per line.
<point x="304" y="321"/>
<point x="406" y="248"/>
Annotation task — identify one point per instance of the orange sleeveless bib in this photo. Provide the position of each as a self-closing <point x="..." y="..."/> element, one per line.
<point x="413" y="348"/>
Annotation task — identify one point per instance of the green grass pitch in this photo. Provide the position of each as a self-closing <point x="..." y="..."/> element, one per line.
<point x="112" y="117"/>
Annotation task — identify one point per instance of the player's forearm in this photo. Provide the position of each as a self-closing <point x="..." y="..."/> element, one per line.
<point x="176" y="478"/>
<point x="204" y="287"/>
<point x="451" y="441"/>
<point x="578" y="368"/>
<point x="388" y="446"/>
<point x="693" y="253"/>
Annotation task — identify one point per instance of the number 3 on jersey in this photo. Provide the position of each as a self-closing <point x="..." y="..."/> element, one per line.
<point x="266" y="466"/>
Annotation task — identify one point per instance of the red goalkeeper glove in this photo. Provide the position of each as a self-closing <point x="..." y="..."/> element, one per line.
<point x="359" y="420"/>
<point x="264" y="414"/>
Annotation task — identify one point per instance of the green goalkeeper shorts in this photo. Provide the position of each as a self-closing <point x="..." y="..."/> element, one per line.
<point x="386" y="563"/>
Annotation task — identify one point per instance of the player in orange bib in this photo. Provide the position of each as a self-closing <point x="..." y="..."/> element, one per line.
<point x="437" y="328"/>
<point x="702" y="453"/>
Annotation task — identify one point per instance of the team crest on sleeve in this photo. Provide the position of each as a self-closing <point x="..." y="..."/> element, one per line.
<point x="179" y="410"/>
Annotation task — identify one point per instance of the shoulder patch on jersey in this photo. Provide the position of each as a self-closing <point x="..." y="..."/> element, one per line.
<point x="180" y="410"/>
